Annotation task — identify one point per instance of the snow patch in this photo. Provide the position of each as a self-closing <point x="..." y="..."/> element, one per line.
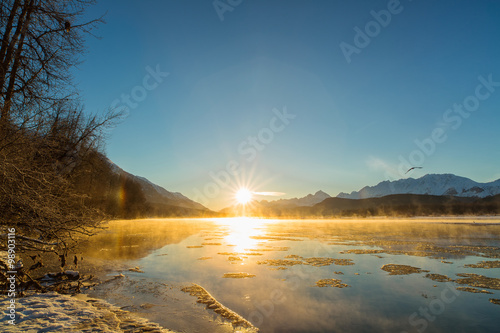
<point x="53" y="312"/>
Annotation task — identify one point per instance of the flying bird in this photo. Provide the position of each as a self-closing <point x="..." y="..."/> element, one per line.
<point x="412" y="169"/>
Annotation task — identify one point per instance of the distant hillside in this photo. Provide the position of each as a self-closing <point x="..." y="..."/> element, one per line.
<point x="408" y="205"/>
<point x="392" y="205"/>
<point x="122" y="195"/>
<point x="432" y="184"/>
<point x="308" y="200"/>
<point x="156" y="194"/>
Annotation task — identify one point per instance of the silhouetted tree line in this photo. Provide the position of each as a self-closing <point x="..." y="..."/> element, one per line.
<point x="407" y="205"/>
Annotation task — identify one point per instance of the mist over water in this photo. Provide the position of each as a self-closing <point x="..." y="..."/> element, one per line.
<point x="285" y="259"/>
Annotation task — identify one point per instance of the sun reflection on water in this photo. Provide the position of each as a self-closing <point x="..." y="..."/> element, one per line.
<point x="242" y="231"/>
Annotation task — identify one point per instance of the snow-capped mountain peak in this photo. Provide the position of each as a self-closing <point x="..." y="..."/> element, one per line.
<point x="431" y="184"/>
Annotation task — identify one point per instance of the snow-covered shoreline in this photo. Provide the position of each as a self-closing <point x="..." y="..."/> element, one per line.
<point x="53" y="312"/>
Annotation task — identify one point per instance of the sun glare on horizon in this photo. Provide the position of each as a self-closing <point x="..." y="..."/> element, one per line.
<point x="243" y="196"/>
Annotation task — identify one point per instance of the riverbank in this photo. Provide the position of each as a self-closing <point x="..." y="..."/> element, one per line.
<point x="53" y="312"/>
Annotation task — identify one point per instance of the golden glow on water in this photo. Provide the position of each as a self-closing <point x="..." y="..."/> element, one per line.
<point x="134" y="239"/>
<point x="241" y="232"/>
<point x="293" y="259"/>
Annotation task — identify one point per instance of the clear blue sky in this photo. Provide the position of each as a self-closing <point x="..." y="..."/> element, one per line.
<point x="353" y="120"/>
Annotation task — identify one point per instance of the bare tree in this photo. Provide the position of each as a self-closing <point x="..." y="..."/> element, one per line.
<point x="41" y="41"/>
<point x="44" y="130"/>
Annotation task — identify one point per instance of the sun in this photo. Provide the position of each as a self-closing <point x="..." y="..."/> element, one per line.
<point x="243" y="196"/>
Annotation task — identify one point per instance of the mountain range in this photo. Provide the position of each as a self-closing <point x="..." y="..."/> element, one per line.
<point x="432" y="194"/>
<point x="308" y="200"/>
<point x="432" y="184"/>
<point x="406" y="205"/>
<point x="162" y="200"/>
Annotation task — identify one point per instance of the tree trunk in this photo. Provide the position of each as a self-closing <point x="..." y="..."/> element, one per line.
<point x="15" y="66"/>
<point x="6" y="38"/>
